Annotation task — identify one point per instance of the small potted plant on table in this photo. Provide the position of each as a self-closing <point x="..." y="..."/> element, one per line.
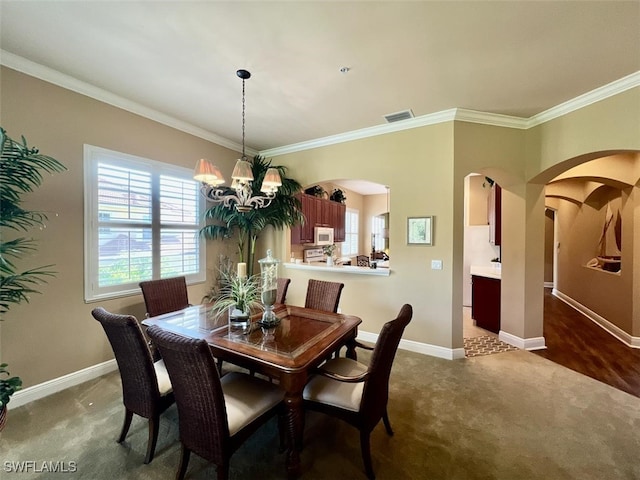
<point x="239" y="295"/>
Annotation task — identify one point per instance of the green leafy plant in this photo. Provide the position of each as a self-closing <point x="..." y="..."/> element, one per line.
<point x="241" y="293"/>
<point x="21" y="171"/>
<point x="285" y="210"/>
<point x="8" y="386"/>
<point x="328" y="250"/>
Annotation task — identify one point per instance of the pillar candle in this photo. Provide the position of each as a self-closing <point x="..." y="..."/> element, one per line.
<point x="242" y="270"/>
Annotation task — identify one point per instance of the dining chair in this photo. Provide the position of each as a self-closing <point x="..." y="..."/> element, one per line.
<point x="216" y="415"/>
<point x="283" y="286"/>
<point x="146" y="388"/>
<point x="164" y="295"/>
<point x="362" y="261"/>
<point x="322" y="295"/>
<point x="357" y="393"/>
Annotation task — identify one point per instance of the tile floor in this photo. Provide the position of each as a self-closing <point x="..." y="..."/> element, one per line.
<point x="478" y="341"/>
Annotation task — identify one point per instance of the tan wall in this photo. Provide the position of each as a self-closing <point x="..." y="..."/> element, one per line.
<point x="477" y="197"/>
<point x="607" y="294"/>
<point x="58" y="325"/>
<point x="427" y="152"/>
<point x="610" y="125"/>
<point x="606" y="127"/>
<point x="55" y="334"/>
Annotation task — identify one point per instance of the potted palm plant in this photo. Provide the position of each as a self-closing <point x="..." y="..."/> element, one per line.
<point x="21" y="171"/>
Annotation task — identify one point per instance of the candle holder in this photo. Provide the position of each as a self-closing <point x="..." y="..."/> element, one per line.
<point x="269" y="286"/>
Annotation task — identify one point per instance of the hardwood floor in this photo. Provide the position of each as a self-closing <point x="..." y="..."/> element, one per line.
<point x="577" y="343"/>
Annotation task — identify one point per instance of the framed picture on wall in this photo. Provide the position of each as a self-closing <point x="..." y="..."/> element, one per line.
<point x="420" y="230"/>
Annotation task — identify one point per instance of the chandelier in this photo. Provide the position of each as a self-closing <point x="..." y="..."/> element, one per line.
<point x="240" y="194"/>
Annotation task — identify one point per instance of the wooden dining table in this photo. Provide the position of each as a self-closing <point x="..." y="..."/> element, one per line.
<point x="289" y="352"/>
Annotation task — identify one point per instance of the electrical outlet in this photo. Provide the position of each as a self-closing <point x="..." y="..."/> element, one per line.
<point x="436" y="264"/>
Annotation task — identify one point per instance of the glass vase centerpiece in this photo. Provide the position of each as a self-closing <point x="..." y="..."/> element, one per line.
<point x="269" y="289"/>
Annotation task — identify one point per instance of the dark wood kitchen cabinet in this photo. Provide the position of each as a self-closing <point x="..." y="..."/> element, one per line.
<point x="319" y="212"/>
<point x="338" y="221"/>
<point x="494" y="213"/>
<point x="485" y="302"/>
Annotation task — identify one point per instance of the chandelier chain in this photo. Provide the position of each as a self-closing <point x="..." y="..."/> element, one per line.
<point x="243" y="104"/>
<point x="243" y="198"/>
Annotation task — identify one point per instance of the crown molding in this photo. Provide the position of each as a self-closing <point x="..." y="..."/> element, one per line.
<point x="430" y="119"/>
<point x="421" y="121"/>
<point x="50" y="75"/>
<point x="472" y="116"/>
<point x="495" y="119"/>
<point x="600" y="93"/>
<point x="47" y="74"/>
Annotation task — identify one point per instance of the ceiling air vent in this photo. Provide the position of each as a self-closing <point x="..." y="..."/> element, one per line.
<point x="398" y="116"/>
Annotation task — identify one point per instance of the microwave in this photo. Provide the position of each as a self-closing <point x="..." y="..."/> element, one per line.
<point x="323" y="236"/>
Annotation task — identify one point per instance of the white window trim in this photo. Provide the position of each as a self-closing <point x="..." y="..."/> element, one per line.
<point x="92" y="156"/>
<point x="357" y="233"/>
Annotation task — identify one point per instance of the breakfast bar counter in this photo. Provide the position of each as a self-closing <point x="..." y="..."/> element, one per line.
<point x="348" y="269"/>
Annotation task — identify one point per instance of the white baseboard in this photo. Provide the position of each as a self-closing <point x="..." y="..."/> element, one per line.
<point x="624" y="337"/>
<point x="548" y="284"/>
<point x="50" y="387"/>
<point x="418" y="347"/>
<point x="534" y="343"/>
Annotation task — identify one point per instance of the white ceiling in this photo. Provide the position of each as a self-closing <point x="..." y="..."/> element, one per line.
<point x="180" y="58"/>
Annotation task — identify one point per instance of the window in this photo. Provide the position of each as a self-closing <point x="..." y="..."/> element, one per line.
<point x="377" y="230"/>
<point x="350" y="244"/>
<point x="142" y="222"/>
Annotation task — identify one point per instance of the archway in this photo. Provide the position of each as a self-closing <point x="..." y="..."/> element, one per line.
<point x="588" y="193"/>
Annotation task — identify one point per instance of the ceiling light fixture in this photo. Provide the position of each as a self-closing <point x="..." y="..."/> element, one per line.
<point x="241" y="192"/>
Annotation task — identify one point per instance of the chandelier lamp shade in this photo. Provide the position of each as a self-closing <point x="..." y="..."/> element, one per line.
<point x="240" y="195"/>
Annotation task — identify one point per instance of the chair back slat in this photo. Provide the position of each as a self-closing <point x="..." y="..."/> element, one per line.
<point x="198" y="393"/>
<point x="283" y="286"/>
<point x="362" y="261"/>
<point x="322" y="295"/>
<point x="376" y="389"/>
<point x="164" y="295"/>
<point x="139" y="382"/>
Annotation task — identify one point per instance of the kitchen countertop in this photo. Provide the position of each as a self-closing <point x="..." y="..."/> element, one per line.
<point x="349" y="269"/>
<point x="486" y="271"/>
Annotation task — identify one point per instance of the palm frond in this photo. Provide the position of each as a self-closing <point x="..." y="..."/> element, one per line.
<point x="15" y="289"/>
<point x="21" y="171"/>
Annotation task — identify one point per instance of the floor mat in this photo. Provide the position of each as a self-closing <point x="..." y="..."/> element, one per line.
<point x="485" y="345"/>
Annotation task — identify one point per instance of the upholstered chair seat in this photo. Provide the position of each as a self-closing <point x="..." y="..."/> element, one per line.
<point x="247" y="398"/>
<point x="358" y="393"/>
<point x="164" y="383"/>
<point x="215" y="414"/>
<point x="338" y="394"/>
